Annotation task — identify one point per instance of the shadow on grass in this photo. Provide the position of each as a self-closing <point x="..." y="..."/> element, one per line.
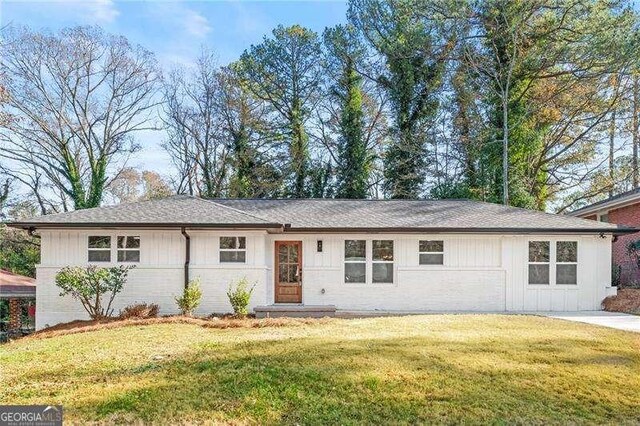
<point x="398" y="380"/>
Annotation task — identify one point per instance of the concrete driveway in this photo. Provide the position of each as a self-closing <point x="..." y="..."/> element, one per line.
<point x="606" y="319"/>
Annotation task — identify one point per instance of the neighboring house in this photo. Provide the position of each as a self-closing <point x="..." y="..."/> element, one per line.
<point x="17" y="299"/>
<point x="315" y="254"/>
<point x="622" y="209"/>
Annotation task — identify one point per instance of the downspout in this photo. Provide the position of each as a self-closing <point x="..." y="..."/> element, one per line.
<point x="187" y="255"/>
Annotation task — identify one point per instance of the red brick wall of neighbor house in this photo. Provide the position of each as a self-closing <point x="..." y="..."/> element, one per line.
<point x="628" y="215"/>
<point x="592" y="217"/>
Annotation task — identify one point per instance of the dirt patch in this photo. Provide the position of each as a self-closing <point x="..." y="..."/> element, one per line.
<point x="80" y="326"/>
<point x="627" y="300"/>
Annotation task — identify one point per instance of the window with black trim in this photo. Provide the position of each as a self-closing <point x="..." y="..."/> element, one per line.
<point x="431" y="252"/>
<point x="233" y="249"/>
<point x="129" y="249"/>
<point x="99" y="248"/>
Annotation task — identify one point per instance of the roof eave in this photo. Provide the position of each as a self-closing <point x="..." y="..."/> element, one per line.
<point x="605" y="205"/>
<point x="83" y="225"/>
<point x="447" y="230"/>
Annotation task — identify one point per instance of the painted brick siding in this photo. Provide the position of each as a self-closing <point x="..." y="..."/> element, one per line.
<point x="628" y="215"/>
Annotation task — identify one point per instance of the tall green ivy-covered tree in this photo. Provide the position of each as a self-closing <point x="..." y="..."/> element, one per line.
<point x="284" y="70"/>
<point x="411" y="38"/>
<point x="343" y="52"/>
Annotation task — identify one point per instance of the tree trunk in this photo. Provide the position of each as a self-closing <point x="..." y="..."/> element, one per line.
<point x="634" y="131"/>
<point x="505" y="151"/>
<point x="612" y="136"/>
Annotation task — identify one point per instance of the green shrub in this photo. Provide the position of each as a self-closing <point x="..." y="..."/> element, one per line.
<point x="190" y="298"/>
<point x="140" y="310"/>
<point x="239" y="296"/>
<point x="90" y="284"/>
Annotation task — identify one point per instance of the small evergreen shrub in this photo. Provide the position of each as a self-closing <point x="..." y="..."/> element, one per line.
<point x="190" y="298"/>
<point x="239" y="296"/>
<point x="140" y="310"/>
<point x="94" y="287"/>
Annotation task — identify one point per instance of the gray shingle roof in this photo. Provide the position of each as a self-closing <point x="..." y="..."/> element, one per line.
<point x="410" y="214"/>
<point x="176" y="210"/>
<point x="325" y="215"/>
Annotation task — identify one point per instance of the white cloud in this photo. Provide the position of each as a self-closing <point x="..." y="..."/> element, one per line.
<point x="101" y="11"/>
<point x="195" y="24"/>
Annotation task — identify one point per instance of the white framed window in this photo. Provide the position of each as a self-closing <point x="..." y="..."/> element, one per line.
<point x="99" y="248"/>
<point x="539" y="262"/>
<point x="355" y="261"/>
<point x="567" y="262"/>
<point x="233" y="249"/>
<point x="382" y="261"/>
<point x="128" y="249"/>
<point x="431" y="252"/>
<point x="553" y="262"/>
<point x="368" y="261"/>
<point x="603" y="217"/>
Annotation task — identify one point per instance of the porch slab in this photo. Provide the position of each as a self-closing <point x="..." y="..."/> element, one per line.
<point x="295" y="311"/>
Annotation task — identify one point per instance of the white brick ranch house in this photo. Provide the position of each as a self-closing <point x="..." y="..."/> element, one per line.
<point x="322" y="255"/>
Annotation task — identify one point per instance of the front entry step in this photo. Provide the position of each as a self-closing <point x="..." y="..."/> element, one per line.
<point x="295" y="310"/>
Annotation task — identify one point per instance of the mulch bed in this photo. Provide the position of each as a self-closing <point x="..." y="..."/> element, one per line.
<point x="83" y="326"/>
<point x="627" y="300"/>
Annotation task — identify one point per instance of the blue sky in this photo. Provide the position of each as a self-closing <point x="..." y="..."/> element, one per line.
<point x="176" y="30"/>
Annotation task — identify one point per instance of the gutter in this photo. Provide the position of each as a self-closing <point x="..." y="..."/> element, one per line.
<point x="58" y="225"/>
<point x="605" y="206"/>
<point x="501" y="231"/>
<point x="187" y="255"/>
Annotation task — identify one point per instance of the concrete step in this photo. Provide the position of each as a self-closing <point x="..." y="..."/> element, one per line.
<point x="294" y="310"/>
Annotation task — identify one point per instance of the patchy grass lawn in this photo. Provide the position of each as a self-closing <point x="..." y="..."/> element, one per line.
<point x="438" y="368"/>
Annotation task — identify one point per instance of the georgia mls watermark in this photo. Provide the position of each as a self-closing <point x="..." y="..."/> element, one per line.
<point x="30" y="415"/>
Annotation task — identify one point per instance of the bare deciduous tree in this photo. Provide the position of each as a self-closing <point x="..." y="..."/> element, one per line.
<point x="195" y="140"/>
<point x="76" y="98"/>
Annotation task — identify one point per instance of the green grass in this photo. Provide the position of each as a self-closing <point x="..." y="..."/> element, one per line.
<point x="440" y="368"/>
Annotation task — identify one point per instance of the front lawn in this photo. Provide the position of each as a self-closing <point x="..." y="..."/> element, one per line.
<point x="437" y="368"/>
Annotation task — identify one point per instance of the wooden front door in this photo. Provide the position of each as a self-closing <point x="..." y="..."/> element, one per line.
<point x="288" y="270"/>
